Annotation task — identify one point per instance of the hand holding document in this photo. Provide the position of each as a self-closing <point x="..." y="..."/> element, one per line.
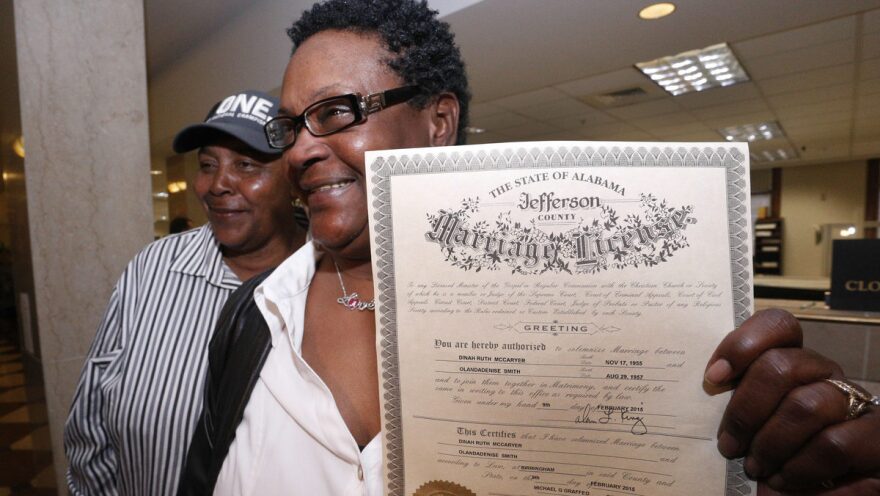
<point x="545" y="312"/>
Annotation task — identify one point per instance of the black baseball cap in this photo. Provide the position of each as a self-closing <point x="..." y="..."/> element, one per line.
<point x="241" y="116"/>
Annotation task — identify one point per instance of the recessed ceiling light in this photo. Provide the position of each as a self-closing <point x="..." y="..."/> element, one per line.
<point x="752" y="132"/>
<point x="474" y="130"/>
<point x="657" y="10"/>
<point x="695" y="70"/>
<point x="155" y="172"/>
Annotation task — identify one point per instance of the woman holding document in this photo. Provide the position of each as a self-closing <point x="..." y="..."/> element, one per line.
<point x="292" y="403"/>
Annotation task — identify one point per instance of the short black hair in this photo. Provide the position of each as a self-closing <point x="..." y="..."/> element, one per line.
<point x="427" y="55"/>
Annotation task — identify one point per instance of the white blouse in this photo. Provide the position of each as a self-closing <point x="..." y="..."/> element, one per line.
<point x="292" y="439"/>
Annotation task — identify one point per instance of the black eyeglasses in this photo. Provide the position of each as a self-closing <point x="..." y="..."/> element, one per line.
<point x="333" y="114"/>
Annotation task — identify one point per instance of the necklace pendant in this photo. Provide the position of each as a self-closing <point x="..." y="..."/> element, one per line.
<point x="349" y="301"/>
<point x="353" y="302"/>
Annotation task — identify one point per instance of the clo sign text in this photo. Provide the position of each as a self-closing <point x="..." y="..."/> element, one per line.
<point x="863" y="286"/>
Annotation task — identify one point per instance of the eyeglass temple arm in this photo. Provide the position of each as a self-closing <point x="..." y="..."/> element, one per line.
<point x="378" y="101"/>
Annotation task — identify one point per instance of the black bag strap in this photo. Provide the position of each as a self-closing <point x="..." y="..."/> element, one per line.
<point x="236" y="354"/>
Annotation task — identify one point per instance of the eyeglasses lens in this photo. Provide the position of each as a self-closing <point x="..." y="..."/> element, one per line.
<point x="330" y="116"/>
<point x="322" y="119"/>
<point x="281" y="132"/>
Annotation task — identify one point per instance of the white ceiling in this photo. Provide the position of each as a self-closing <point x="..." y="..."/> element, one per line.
<point x="172" y="26"/>
<point x="814" y="64"/>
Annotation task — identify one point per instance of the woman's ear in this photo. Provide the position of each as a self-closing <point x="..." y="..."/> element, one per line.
<point x="444" y="120"/>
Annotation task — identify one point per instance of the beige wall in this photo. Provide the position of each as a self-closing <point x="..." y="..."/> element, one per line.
<point x="815" y="195"/>
<point x="761" y="180"/>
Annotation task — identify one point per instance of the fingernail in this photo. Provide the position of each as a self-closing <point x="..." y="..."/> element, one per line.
<point x="719" y="372"/>
<point x="776" y="482"/>
<point x="728" y="445"/>
<point x="753" y="468"/>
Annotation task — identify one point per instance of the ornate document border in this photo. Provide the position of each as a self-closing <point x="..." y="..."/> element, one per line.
<point x="542" y="155"/>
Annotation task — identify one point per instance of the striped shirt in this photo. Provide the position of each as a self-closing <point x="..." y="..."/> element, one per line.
<point x="140" y="392"/>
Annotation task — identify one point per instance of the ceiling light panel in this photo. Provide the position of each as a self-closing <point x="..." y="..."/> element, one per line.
<point x="777" y="154"/>
<point x="695" y="70"/>
<point x="752" y="132"/>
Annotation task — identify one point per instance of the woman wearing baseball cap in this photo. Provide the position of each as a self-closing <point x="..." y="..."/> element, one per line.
<point x="140" y="391"/>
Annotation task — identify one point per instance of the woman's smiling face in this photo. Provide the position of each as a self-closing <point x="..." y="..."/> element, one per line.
<point x="245" y="193"/>
<point x="328" y="172"/>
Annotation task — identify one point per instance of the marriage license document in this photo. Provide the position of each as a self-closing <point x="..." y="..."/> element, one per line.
<point x="545" y="312"/>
